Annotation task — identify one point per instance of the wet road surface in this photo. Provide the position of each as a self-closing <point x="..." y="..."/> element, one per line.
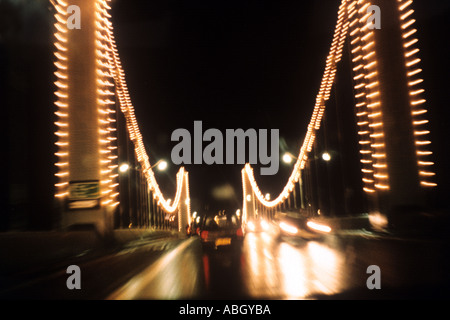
<point x="264" y="267"/>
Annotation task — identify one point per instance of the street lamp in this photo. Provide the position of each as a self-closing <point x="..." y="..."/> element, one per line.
<point x="124" y="167"/>
<point x="160" y="164"/>
<point x="326" y="156"/>
<point x="288" y="157"/>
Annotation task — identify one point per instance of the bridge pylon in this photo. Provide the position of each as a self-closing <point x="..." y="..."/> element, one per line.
<point x="395" y="156"/>
<point x="87" y="152"/>
<point x="249" y="199"/>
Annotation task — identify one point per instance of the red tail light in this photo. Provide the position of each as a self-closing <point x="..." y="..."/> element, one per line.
<point x="239" y="232"/>
<point x="204" y="235"/>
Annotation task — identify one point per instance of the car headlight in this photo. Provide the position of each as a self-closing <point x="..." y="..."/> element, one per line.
<point x="288" y="228"/>
<point x="318" y="226"/>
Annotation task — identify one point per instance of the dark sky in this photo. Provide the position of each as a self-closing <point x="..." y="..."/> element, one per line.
<point x="231" y="64"/>
<point x="240" y="64"/>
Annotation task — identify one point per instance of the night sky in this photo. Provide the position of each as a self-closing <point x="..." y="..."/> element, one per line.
<point x="231" y="64"/>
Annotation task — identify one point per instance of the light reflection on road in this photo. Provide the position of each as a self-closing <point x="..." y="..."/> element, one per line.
<point x="294" y="268"/>
<point x="287" y="270"/>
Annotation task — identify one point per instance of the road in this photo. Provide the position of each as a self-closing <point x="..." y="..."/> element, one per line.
<point x="334" y="267"/>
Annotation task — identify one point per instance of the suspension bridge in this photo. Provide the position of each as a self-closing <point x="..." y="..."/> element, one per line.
<point x="105" y="179"/>
<point x="389" y="107"/>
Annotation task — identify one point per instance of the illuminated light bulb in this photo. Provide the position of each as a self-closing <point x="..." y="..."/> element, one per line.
<point x="62" y="195"/>
<point x="420" y="122"/>
<point x="422" y="143"/>
<point x="372" y="84"/>
<point x="410" y="53"/>
<point x="371" y="75"/>
<point x="407" y="24"/>
<point x="61" y="174"/>
<point x="410" y="43"/>
<point x="417" y="102"/>
<point x="426" y="173"/>
<point x="61" y="164"/>
<point x="373" y="94"/>
<point x="409" y="33"/>
<point x="377" y="135"/>
<point x="61" y="134"/>
<point x="374" y="104"/>
<point x="406" y="15"/>
<point x="413" y="93"/>
<point x="424" y="153"/>
<point x="406" y="4"/>
<point x="425" y="163"/>
<point x="356" y="49"/>
<point x="428" y="184"/>
<point x="367" y="46"/>
<point x="419" y="112"/>
<point x="411" y="63"/>
<point x="370" y="65"/>
<point x="364" y="8"/>
<point x="374" y="115"/>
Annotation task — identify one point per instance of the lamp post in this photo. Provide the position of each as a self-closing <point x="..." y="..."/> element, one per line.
<point x="288" y="158"/>
<point x="138" y="192"/>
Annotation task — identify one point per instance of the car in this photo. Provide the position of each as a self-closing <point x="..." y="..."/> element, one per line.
<point x="297" y="225"/>
<point x="220" y="231"/>
<point x="193" y="229"/>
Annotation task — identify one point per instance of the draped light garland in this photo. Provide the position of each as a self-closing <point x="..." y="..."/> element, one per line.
<point x="334" y="56"/>
<point x="135" y="135"/>
<point x="352" y="20"/>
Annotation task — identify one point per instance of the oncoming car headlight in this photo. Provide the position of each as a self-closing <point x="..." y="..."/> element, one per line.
<point x="288" y="228"/>
<point x="318" y="226"/>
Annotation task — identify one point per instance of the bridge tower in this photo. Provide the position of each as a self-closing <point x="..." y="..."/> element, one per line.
<point x="86" y="140"/>
<point x="390" y="112"/>
<point x="249" y="200"/>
